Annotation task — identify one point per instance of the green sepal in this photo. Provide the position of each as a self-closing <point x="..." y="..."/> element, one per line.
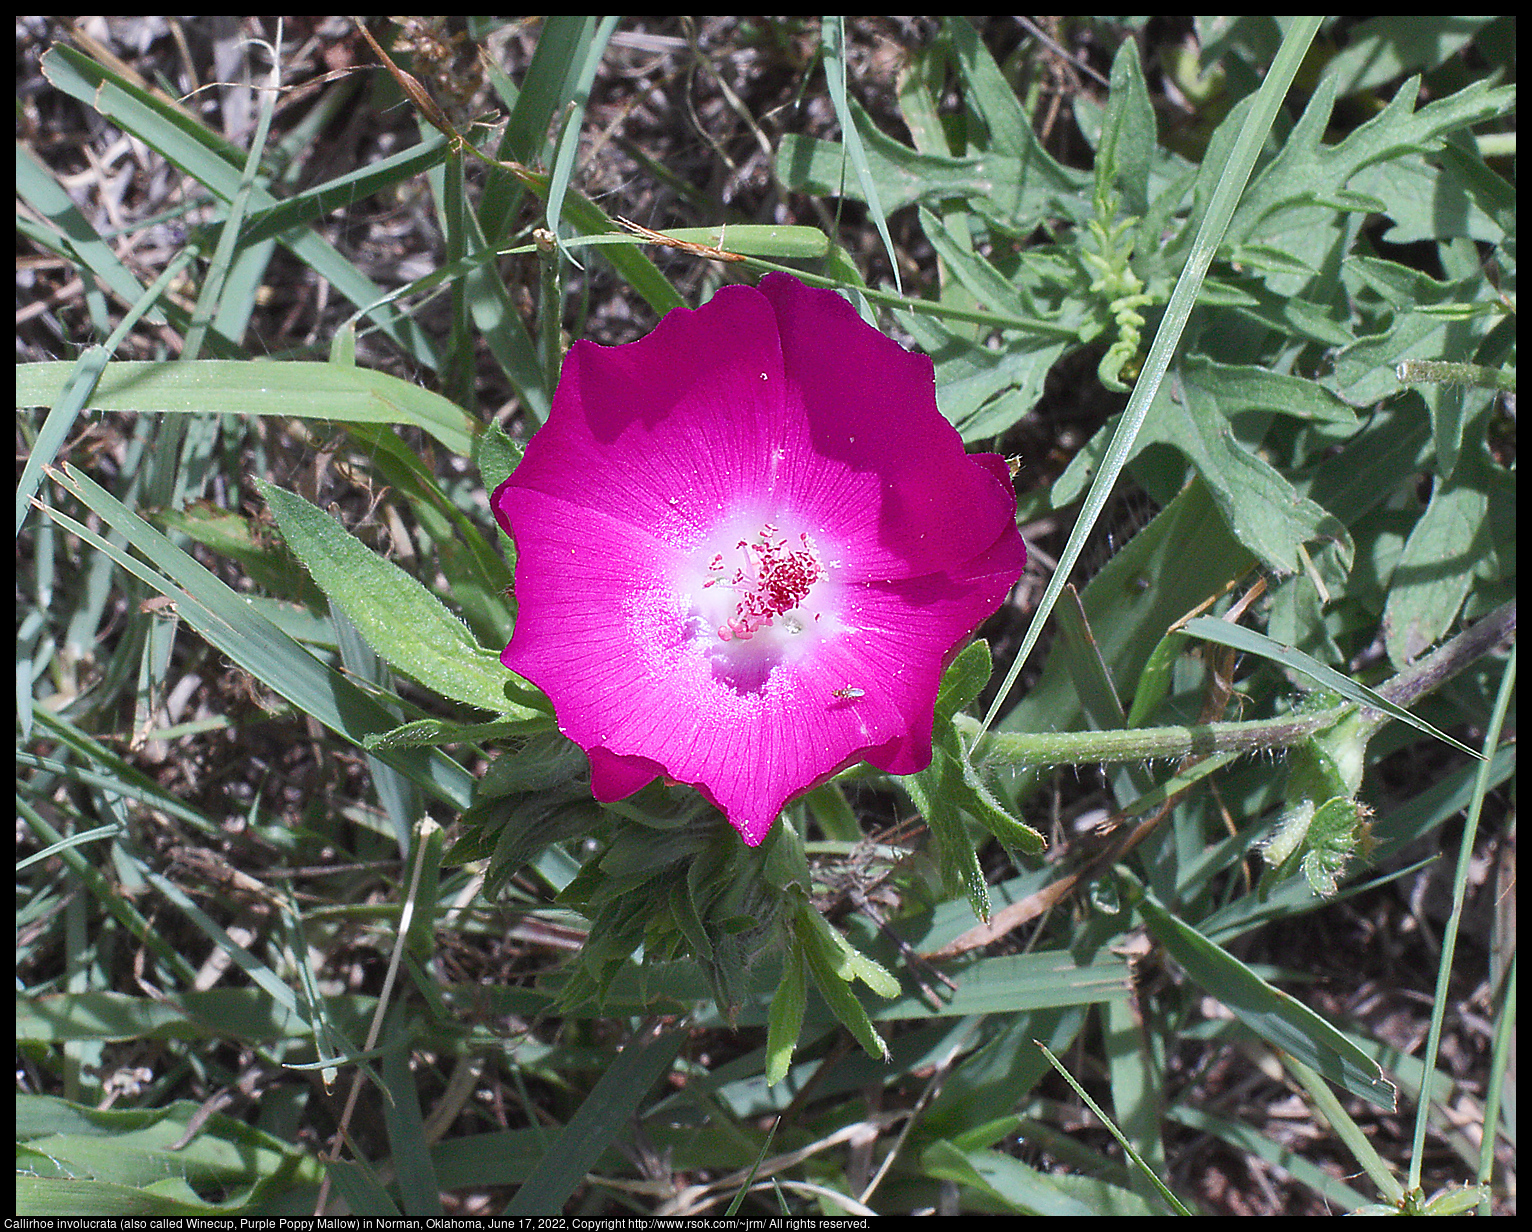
<point x="963" y="680"/>
<point x="1323" y="827"/>
<point x="950" y="788"/>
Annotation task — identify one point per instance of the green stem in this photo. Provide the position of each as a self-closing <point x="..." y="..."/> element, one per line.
<point x="1025" y="749"/>
<point x="1442" y="372"/>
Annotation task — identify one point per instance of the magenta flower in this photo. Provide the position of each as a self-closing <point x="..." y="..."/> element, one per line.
<point x="747" y="546"/>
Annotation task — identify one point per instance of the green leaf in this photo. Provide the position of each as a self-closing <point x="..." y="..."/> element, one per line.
<point x="80" y="381"/>
<point x="1002" y="187"/>
<point x="784" y="1022"/>
<point x="1337" y="834"/>
<point x="238" y="387"/>
<point x="1043" y="184"/>
<point x="432" y="733"/>
<point x="1128" y="134"/>
<point x="145" y="1161"/>
<point x="835" y="964"/>
<point x="1308" y="169"/>
<point x="498" y="455"/>
<point x="1265" y="511"/>
<point x="1436" y="569"/>
<point x="1273" y="1015"/>
<point x="400" y="619"/>
<point x="344" y="190"/>
<point x="569" y="138"/>
<point x="1210" y="230"/>
<point x="832" y="45"/>
<point x="758" y="240"/>
<point x="985" y="807"/>
<point x="1381" y="49"/>
<point x="1246" y="387"/>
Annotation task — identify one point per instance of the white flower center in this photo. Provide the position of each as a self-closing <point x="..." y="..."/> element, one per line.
<point x="759" y="591"/>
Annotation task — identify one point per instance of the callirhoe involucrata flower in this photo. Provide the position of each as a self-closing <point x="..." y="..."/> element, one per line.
<point x="747" y="545"/>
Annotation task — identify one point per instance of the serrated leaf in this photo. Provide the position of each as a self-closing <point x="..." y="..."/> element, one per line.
<point x="1267" y="514"/>
<point x="1333" y="839"/>
<point x="1308" y="169"/>
<point x="1016" y="194"/>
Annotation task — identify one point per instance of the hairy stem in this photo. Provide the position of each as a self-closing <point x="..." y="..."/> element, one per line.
<point x="1141" y="743"/>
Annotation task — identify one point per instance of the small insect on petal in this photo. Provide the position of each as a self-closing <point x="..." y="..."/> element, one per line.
<point x="849" y="692"/>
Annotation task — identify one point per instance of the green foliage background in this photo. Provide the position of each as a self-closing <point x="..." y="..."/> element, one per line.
<point x="1305" y="290"/>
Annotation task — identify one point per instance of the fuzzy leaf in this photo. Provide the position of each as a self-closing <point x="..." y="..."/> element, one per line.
<point x="400" y="619"/>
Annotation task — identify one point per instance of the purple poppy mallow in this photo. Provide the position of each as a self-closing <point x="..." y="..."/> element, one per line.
<point x="747" y="545"/>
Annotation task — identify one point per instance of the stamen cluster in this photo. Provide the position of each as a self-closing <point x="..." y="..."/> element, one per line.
<point x="774" y="580"/>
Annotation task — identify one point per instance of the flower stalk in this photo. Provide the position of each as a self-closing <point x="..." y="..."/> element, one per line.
<point x="1027" y="749"/>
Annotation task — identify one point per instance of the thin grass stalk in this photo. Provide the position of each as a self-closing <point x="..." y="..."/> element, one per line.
<point x="1454" y="923"/>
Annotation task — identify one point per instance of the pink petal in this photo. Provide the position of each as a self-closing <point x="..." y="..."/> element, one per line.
<point x="913" y="491"/>
<point x="777" y="405"/>
<point x="630" y="423"/>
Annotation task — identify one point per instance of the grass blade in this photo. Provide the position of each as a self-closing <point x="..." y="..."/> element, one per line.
<point x="569" y="138"/>
<point x="234" y="387"/>
<point x="833" y="47"/>
<point x="1174" y="1202"/>
<point x="611" y="1104"/>
<point x="1251" y="642"/>
<point x="227" y="621"/>
<point x="1279" y="1019"/>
